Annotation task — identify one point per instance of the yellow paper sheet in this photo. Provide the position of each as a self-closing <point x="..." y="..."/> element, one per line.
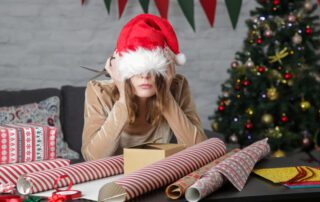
<point x="284" y="174"/>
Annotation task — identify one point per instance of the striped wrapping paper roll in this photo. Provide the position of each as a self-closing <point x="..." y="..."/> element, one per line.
<point x="78" y="173"/>
<point x="178" y="188"/>
<point x="163" y="172"/>
<point x="11" y="172"/>
<point x="236" y="169"/>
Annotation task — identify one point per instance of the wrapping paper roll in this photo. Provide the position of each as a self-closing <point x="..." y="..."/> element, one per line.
<point x="11" y="172"/>
<point x="163" y="172"/>
<point x="78" y="173"/>
<point x="235" y="169"/>
<point x="178" y="188"/>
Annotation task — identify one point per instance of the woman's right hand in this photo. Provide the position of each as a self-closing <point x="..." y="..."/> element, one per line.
<point x="112" y="69"/>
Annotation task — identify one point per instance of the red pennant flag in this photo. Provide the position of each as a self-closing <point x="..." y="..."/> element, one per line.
<point x="163" y="6"/>
<point x="319" y="2"/>
<point x="209" y="7"/>
<point x="82" y="2"/>
<point x="121" y="5"/>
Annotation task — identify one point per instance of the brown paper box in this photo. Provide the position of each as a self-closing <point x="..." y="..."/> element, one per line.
<point x="140" y="156"/>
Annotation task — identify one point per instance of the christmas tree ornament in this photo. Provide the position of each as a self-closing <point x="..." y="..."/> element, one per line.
<point x="263" y="95"/>
<point x="249" y="111"/>
<point x="308" y="30"/>
<point x="267" y="119"/>
<point x="233" y="139"/>
<point x="307" y="142"/>
<point x="215" y="126"/>
<point x="305" y="105"/>
<point x="291" y="18"/>
<point x="308" y="5"/>
<point x="290" y="83"/>
<point x="237" y="87"/>
<point x="236" y="119"/>
<point x="248" y="125"/>
<point x="287" y="76"/>
<point x="261" y="69"/>
<point x="235" y="64"/>
<point x="279" y="56"/>
<point x="272" y="93"/>
<point x="276" y="2"/>
<point x="221" y="108"/>
<point x="226" y="94"/>
<point x="284" y="118"/>
<point x="259" y="40"/>
<point x="279" y="154"/>
<point x="246" y="82"/>
<point x="249" y="63"/>
<point x="296" y="39"/>
<point x="267" y="33"/>
<point x="238" y="96"/>
<point x="284" y="81"/>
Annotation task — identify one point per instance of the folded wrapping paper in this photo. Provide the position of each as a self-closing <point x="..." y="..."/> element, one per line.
<point x="27" y="142"/>
<point x="235" y="169"/>
<point x="163" y="172"/>
<point x="78" y="173"/>
<point x="178" y="188"/>
<point x="11" y="172"/>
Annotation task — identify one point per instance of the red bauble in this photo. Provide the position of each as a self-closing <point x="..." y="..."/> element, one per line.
<point x="259" y="41"/>
<point x="288" y="76"/>
<point x="261" y="69"/>
<point x="308" y="30"/>
<point x="246" y="83"/>
<point x="248" y="125"/>
<point x="284" y="119"/>
<point x="237" y="87"/>
<point x="276" y="2"/>
<point x="221" y="108"/>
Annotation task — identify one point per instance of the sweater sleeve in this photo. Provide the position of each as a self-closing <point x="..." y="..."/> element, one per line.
<point x="102" y="128"/>
<point x="183" y="118"/>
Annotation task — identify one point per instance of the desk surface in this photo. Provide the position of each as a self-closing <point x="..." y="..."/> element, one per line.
<point x="256" y="189"/>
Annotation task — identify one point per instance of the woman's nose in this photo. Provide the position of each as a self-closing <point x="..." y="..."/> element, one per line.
<point x="145" y="75"/>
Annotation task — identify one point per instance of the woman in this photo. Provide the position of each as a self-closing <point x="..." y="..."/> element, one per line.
<point x="145" y="100"/>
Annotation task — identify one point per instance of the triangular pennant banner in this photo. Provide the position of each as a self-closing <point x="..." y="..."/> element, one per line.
<point x="319" y="2"/>
<point x="107" y="4"/>
<point x="82" y="2"/>
<point x="163" y="6"/>
<point x="145" y="5"/>
<point x="234" y="7"/>
<point x="121" y="5"/>
<point x="209" y="7"/>
<point x="187" y="7"/>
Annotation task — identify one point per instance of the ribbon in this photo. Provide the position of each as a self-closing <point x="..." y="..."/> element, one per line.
<point x="64" y="194"/>
<point x="7" y="188"/>
<point x="10" y="198"/>
<point x="279" y="56"/>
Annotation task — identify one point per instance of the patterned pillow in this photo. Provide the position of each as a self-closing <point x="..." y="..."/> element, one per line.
<point x="46" y="112"/>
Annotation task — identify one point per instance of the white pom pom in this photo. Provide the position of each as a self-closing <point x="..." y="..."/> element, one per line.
<point x="180" y="59"/>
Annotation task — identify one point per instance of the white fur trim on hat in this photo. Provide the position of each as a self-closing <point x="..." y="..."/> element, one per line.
<point x="142" y="60"/>
<point x="180" y="59"/>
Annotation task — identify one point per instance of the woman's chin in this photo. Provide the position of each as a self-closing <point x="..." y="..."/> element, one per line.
<point x="145" y="94"/>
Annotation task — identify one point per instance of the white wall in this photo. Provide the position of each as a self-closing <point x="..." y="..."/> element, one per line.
<point x="43" y="42"/>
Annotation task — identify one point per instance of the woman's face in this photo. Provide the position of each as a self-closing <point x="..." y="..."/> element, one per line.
<point x="144" y="85"/>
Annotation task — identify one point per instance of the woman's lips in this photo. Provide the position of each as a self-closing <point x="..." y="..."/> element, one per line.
<point x="146" y="86"/>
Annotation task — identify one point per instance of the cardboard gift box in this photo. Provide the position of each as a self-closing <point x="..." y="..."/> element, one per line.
<point x="142" y="155"/>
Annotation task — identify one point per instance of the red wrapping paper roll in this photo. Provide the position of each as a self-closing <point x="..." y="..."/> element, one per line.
<point x="78" y="173"/>
<point x="163" y="172"/>
<point x="11" y="172"/>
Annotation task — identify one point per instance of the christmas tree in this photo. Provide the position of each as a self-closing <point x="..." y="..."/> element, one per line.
<point x="274" y="86"/>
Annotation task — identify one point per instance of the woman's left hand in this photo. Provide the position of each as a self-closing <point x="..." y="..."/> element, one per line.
<point x="171" y="73"/>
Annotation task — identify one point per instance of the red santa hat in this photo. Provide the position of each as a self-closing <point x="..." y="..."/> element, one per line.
<point x="143" y="46"/>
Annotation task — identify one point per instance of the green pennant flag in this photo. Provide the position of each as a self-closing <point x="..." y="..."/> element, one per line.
<point x="145" y="5"/>
<point x="234" y="7"/>
<point x="187" y="7"/>
<point x="107" y="4"/>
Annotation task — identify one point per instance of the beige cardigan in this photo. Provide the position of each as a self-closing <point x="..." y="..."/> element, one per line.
<point x="106" y="131"/>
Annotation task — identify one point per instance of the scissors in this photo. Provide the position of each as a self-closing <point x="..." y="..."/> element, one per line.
<point x="100" y="72"/>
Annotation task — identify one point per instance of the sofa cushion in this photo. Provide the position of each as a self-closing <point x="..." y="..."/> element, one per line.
<point x="73" y="111"/>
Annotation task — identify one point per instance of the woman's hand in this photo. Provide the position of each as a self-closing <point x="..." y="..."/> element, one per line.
<point x="112" y="69"/>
